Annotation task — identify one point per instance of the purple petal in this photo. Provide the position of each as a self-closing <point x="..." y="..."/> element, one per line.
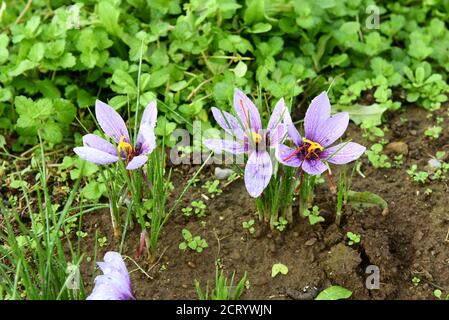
<point x="229" y="123"/>
<point x="277" y="135"/>
<point x="317" y="113"/>
<point x="287" y="156"/>
<point x="279" y="112"/>
<point x="344" y="153"/>
<point x="111" y="122"/>
<point x="220" y="145"/>
<point x="95" y="155"/>
<point x="146" y="139"/>
<point x="292" y="131"/>
<point x="258" y="173"/>
<point x="314" y="167"/>
<point x="114" y="260"/>
<point x="247" y="111"/>
<point x="115" y="283"/>
<point x="137" y="162"/>
<point x="332" y="129"/>
<point x="94" y="141"/>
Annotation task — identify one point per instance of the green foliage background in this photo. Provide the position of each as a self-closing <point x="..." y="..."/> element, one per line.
<point x="59" y="56"/>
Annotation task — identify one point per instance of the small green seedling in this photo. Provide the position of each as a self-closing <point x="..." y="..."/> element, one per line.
<point x="103" y="241"/>
<point x="195" y="243"/>
<point x="281" y="224"/>
<point x="417" y="176"/>
<point x="354" y="238"/>
<point x="278" y="268"/>
<point x="439" y="294"/>
<point x="314" y="215"/>
<point x="249" y="226"/>
<point x="428" y="192"/>
<point x="200" y="208"/>
<point x="416" y="281"/>
<point x="213" y="187"/>
<point x="398" y="161"/>
<point x="187" y="211"/>
<point x="440" y="155"/>
<point x="376" y="158"/>
<point x="433" y="132"/>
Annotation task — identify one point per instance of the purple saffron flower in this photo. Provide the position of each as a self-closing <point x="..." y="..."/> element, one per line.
<point x="114" y="283"/>
<point x="250" y="138"/>
<point x="100" y="151"/>
<point x="321" y="130"/>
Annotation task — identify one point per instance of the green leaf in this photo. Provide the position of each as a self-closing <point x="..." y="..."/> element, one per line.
<point x="118" y="101"/>
<point x="65" y="111"/>
<point x="240" y="69"/>
<point x="164" y="127"/>
<point x="23" y="66"/>
<point x="158" y="78"/>
<point x="334" y="293"/>
<point x="125" y="82"/>
<point x="366" y="199"/>
<point x="51" y="132"/>
<point x="37" y="51"/>
<point x="278" y="268"/>
<point x="368" y="116"/>
<point x="260" y="27"/>
<point x="186" y="234"/>
<point x="109" y="15"/>
<point x="178" y="86"/>
<point x="255" y="12"/>
<point x="93" y="190"/>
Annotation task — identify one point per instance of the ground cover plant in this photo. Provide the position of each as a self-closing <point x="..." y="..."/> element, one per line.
<point x="224" y="149"/>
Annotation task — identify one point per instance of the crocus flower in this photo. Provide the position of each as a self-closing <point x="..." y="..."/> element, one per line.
<point x="321" y="131"/>
<point x="100" y="151"/>
<point x="114" y="283"/>
<point x="248" y="137"/>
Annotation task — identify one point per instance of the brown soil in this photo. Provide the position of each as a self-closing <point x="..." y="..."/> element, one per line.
<point x="408" y="241"/>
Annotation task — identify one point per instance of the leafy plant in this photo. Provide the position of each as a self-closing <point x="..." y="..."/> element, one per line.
<point x="281" y="224"/>
<point x="354" y="238"/>
<point x="375" y="157"/>
<point x="213" y="187"/>
<point x="195" y="243"/>
<point x="417" y="176"/>
<point x="249" y="226"/>
<point x="200" y="208"/>
<point x="224" y="288"/>
<point x="433" y="132"/>
<point x="313" y="215"/>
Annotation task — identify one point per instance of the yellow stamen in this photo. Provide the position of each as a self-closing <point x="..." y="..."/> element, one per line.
<point x="125" y="146"/>
<point x="313" y="146"/>
<point x="257" y="138"/>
